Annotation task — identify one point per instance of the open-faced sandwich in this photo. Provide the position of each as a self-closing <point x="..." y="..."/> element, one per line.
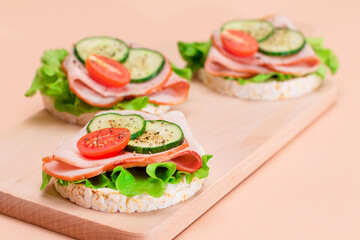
<point x="129" y="161"/>
<point x="103" y="73"/>
<point x="266" y="59"/>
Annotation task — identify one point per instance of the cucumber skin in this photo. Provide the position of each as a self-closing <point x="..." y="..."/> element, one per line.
<point x="83" y="61"/>
<point x="133" y="136"/>
<point x="154" y="74"/>
<point x="158" y="149"/>
<point x="154" y="149"/>
<point x="258" y="40"/>
<point x="269" y="35"/>
<point x="287" y="53"/>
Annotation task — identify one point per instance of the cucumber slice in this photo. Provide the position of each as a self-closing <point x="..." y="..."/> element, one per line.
<point x="135" y="123"/>
<point x="109" y="47"/>
<point x="283" y="42"/>
<point x="144" y="64"/>
<point x="159" y="136"/>
<point x="258" y="29"/>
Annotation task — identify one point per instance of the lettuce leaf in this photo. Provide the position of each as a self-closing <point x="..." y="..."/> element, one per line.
<point x="99" y="181"/>
<point x="182" y="72"/>
<point x="321" y="71"/>
<point x="49" y="72"/>
<point x="263" y="78"/>
<point x="63" y="182"/>
<point x="138" y="180"/>
<point x="203" y="172"/>
<point x="194" y="53"/>
<point x="45" y="180"/>
<point x="326" y="55"/>
<point x="133" y="104"/>
<point x="135" y="181"/>
<point x="163" y="171"/>
<point x="51" y="81"/>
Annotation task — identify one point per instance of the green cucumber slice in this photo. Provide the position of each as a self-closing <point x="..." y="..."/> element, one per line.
<point x="283" y="42"/>
<point x="159" y="136"/>
<point x="109" y="47"/>
<point x="144" y="64"/>
<point x="135" y="123"/>
<point x="258" y="29"/>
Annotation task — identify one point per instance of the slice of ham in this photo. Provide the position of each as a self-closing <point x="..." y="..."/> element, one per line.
<point x="98" y="95"/>
<point x="221" y="63"/>
<point x="68" y="164"/>
<point x="67" y="172"/>
<point x="174" y="92"/>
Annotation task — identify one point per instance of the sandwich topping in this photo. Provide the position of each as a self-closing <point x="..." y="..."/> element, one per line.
<point x="107" y="73"/>
<point x="104" y="146"/>
<point x="239" y="43"/>
<point x="258" y="51"/>
<point x="284" y="51"/>
<point x="104" y="142"/>
<point x="148" y="69"/>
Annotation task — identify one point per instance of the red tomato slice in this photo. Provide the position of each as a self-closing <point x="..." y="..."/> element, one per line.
<point x="103" y="143"/>
<point x="239" y="43"/>
<point x="107" y="71"/>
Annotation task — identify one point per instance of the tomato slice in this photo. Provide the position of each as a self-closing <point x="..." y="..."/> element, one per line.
<point x="103" y="143"/>
<point x="107" y="71"/>
<point x="239" y="43"/>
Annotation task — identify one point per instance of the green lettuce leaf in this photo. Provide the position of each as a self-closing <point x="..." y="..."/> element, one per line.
<point x="133" y="104"/>
<point x="263" y="78"/>
<point x="99" y="181"/>
<point x="203" y="172"/>
<point x="51" y="81"/>
<point x="45" y="180"/>
<point x="182" y="72"/>
<point x="135" y="181"/>
<point x="62" y="182"/>
<point x="326" y="55"/>
<point x="49" y="72"/>
<point x="138" y="180"/>
<point x="194" y="53"/>
<point x="162" y="171"/>
<point x="321" y="71"/>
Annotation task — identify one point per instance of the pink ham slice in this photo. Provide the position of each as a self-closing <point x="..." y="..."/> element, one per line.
<point x="174" y="92"/>
<point x="68" y="164"/>
<point x="67" y="172"/>
<point x="221" y="63"/>
<point x="98" y="95"/>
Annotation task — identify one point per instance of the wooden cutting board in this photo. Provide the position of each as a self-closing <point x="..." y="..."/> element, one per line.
<point x="241" y="135"/>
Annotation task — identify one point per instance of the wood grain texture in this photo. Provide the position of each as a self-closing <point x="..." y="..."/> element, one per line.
<point x="241" y="135"/>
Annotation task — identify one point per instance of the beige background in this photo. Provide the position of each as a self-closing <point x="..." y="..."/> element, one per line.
<point x="309" y="190"/>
